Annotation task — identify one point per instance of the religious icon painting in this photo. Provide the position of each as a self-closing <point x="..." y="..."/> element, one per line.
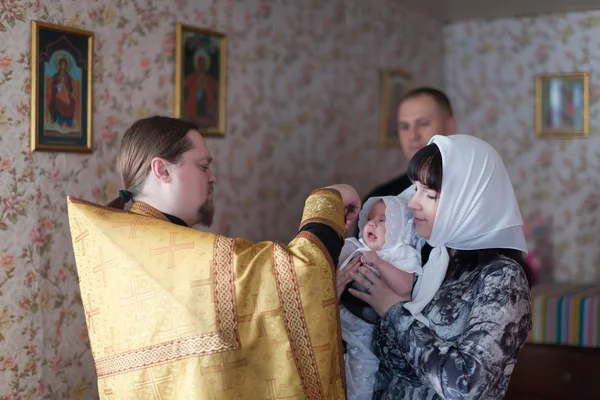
<point x="61" y="88"/>
<point x="562" y="105"/>
<point x="200" y="78"/>
<point x="394" y="84"/>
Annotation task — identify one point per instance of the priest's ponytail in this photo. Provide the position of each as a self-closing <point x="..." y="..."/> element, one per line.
<point x="145" y="140"/>
<point x="125" y="196"/>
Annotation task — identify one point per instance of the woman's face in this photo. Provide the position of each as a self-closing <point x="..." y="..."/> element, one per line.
<point x="424" y="205"/>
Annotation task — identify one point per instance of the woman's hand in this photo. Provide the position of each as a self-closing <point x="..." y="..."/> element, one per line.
<point x="343" y="277"/>
<point x="379" y="295"/>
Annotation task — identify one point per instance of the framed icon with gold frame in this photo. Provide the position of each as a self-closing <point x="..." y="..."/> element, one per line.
<point x="61" y="88"/>
<point x="201" y="78"/>
<point x="562" y="105"/>
<point x="394" y="84"/>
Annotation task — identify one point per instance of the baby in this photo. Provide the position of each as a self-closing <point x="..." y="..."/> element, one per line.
<point x="387" y="245"/>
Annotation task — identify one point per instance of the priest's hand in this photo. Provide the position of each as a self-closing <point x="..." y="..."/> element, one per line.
<point x="351" y="202"/>
<point x="343" y="276"/>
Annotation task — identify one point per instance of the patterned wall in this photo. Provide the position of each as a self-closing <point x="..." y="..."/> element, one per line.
<point x="489" y="73"/>
<point x="302" y="112"/>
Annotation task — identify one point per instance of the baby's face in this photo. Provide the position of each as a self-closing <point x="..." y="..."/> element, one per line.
<point x="374" y="231"/>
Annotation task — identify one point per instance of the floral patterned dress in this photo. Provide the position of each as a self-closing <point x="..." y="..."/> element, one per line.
<point x="478" y="325"/>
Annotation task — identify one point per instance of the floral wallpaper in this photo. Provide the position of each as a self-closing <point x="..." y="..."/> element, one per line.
<point x="302" y="112"/>
<point x="489" y="74"/>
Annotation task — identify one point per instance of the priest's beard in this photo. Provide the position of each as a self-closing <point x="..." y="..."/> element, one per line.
<point x="206" y="212"/>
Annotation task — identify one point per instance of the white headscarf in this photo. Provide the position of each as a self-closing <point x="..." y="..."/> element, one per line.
<point x="477" y="206"/>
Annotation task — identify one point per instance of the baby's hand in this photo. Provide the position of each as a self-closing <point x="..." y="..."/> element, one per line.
<point x="371" y="259"/>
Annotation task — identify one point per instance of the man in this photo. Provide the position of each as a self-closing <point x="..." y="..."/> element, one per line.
<point x="178" y="313"/>
<point x="423" y="112"/>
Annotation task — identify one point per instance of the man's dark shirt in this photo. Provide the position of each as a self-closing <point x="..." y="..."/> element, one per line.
<point x="391" y="188"/>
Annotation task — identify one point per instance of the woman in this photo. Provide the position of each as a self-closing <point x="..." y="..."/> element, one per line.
<point x="465" y="207"/>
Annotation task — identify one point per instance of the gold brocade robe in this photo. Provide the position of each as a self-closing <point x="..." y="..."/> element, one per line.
<point x="177" y="313"/>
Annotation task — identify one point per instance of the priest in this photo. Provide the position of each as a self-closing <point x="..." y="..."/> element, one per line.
<point x="178" y="313"/>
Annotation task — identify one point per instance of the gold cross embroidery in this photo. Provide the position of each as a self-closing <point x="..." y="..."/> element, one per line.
<point x="223" y="369"/>
<point x="171" y="249"/>
<point x="153" y="382"/>
<point x="107" y="390"/>
<point x="91" y="313"/>
<point x="133" y="224"/>
<point x="273" y="392"/>
<point x="137" y="298"/>
<point x="206" y="282"/>
<point x="262" y="316"/>
<point x="115" y="348"/>
<point x="335" y="374"/>
<point x="104" y="265"/>
<point x="177" y="330"/>
<point x="331" y="302"/>
<point x="81" y="237"/>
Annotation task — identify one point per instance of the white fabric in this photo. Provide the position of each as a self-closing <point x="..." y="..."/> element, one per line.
<point x="398" y="250"/>
<point x="361" y="363"/>
<point x="477" y="208"/>
<point x="431" y="278"/>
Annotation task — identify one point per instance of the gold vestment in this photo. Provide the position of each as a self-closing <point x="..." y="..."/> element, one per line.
<point x="177" y="313"/>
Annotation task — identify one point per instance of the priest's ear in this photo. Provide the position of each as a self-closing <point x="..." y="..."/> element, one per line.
<point x="160" y="169"/>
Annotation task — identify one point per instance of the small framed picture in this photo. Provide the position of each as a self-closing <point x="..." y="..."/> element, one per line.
<point x="394" y="84"/>
<point x="562" y="105"/>
<point x="200" y="78"/>
<point x="61" y="88"/>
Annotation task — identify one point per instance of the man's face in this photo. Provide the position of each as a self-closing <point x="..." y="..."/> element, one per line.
<point x="194" y="182"/>
<point x="419" y="119"/>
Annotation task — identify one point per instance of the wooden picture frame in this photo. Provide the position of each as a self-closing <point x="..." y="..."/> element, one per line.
<point x="201" y="78"/>
<point x="562" y="105"/>
<point x="61" y="88"/>
<point x="395" y="83"/>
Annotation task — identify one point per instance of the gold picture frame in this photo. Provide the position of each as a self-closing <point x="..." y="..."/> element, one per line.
<point x="61" y="88"/>
<point x="395" y="83"/>
<point x="562" y="105"/>
<point x="201" y="78"/>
